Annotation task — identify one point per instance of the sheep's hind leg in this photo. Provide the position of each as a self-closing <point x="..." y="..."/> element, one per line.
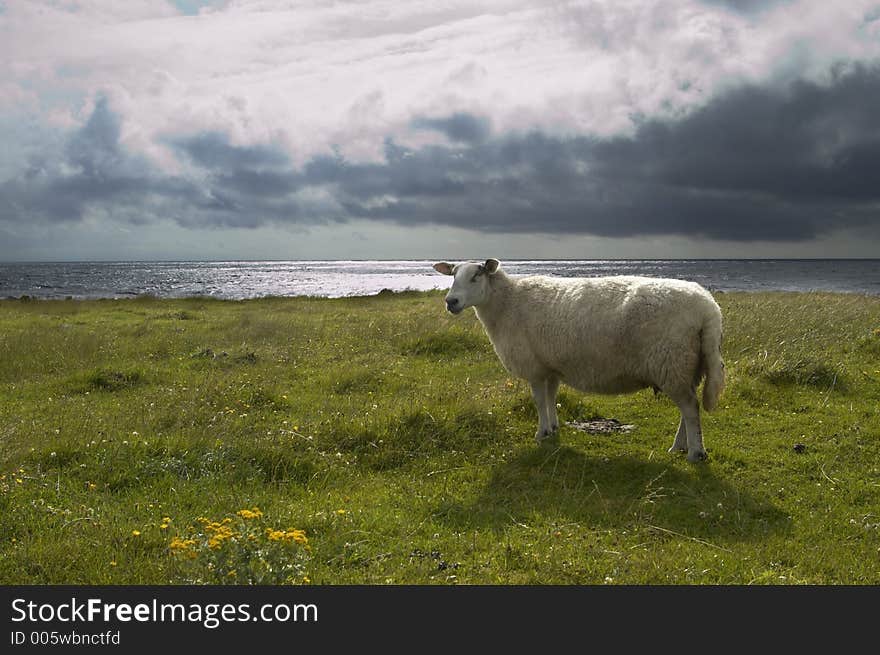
<point x="680" y="445"/>
<point x="539" y="394"/>
<point x="690" y="413"/>
<point x="552" y="388"/>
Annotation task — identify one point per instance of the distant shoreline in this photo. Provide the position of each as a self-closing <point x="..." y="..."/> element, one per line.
<point x="384" y="292"/>
<point x="40" y="262"/>
<point x="238" y="280"/>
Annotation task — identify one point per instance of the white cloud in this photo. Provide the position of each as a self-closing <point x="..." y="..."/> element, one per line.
<point x="313" y="74"/>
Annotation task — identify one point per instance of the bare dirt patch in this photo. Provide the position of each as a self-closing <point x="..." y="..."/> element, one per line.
<point x="601" y="426"/>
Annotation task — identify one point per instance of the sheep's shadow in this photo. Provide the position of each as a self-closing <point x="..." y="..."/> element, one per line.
<point x="562" y="485"/>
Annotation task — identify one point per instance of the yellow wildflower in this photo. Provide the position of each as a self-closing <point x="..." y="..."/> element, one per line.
<point x="183" y="547"/>
<point x="287" y="536"/>
<point x="253" y="513"/>
<point x="217" y="526"/>
<point x="135" y="533"/>
<point x="220" y="532"/>
<point x="340" y="511"/>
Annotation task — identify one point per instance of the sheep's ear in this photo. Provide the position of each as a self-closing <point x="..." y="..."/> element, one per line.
<point x="443" y="267"/>
<point x="491" y="265"/>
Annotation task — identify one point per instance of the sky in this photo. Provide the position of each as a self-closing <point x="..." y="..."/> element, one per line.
<point x="380" y="129"/>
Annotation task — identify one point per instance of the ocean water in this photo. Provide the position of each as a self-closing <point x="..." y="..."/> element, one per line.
<point x="252" y="279"/>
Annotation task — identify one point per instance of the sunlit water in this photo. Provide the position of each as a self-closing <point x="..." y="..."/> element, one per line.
<point x="239" y="280"/>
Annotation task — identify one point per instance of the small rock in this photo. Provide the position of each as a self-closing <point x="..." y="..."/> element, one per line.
<point x="800" y="448"/>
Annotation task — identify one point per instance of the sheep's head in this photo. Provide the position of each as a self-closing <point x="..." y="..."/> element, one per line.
<point x="470" y="288"/>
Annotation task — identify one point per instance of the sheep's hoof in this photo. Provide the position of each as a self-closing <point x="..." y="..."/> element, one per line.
<point x="543" y="436"/>
<point x="697" y="456"/>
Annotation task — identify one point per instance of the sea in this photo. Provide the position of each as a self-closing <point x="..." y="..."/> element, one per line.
<point x="239" y="280"/>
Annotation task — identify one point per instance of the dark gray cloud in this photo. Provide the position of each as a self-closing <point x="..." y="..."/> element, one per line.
<point x="747" y="6"/>
<point x="463" y="128"/>
<point x="754" y="164"/>
<point x="242" y="186"/>
<point x="214" y="151"/>
<point x="813" y="146"/>
<point x="757" y="163"/>
<point x="90" y="170"/>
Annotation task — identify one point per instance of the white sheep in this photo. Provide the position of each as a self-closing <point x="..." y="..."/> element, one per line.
<point x="604" y="335"/>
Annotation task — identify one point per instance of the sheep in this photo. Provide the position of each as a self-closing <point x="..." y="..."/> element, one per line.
<point x="607" y="335"/>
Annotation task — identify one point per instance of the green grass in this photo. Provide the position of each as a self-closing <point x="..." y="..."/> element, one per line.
<point x="389" y="434"/>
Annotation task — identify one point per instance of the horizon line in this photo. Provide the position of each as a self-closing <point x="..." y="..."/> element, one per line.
<point x="420" y="259"/>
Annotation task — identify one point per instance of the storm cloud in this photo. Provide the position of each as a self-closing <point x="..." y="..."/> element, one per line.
<point x="756" y="163"/>
<point x="91" y="170"/>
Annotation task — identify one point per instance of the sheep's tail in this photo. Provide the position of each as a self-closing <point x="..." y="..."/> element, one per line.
<point x="713" y="365"/>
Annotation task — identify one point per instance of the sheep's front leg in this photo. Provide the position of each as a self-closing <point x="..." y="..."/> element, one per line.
<point x="540" y="395"/>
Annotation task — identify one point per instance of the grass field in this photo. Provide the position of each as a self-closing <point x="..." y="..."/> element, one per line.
<point x="379" y="440"/>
